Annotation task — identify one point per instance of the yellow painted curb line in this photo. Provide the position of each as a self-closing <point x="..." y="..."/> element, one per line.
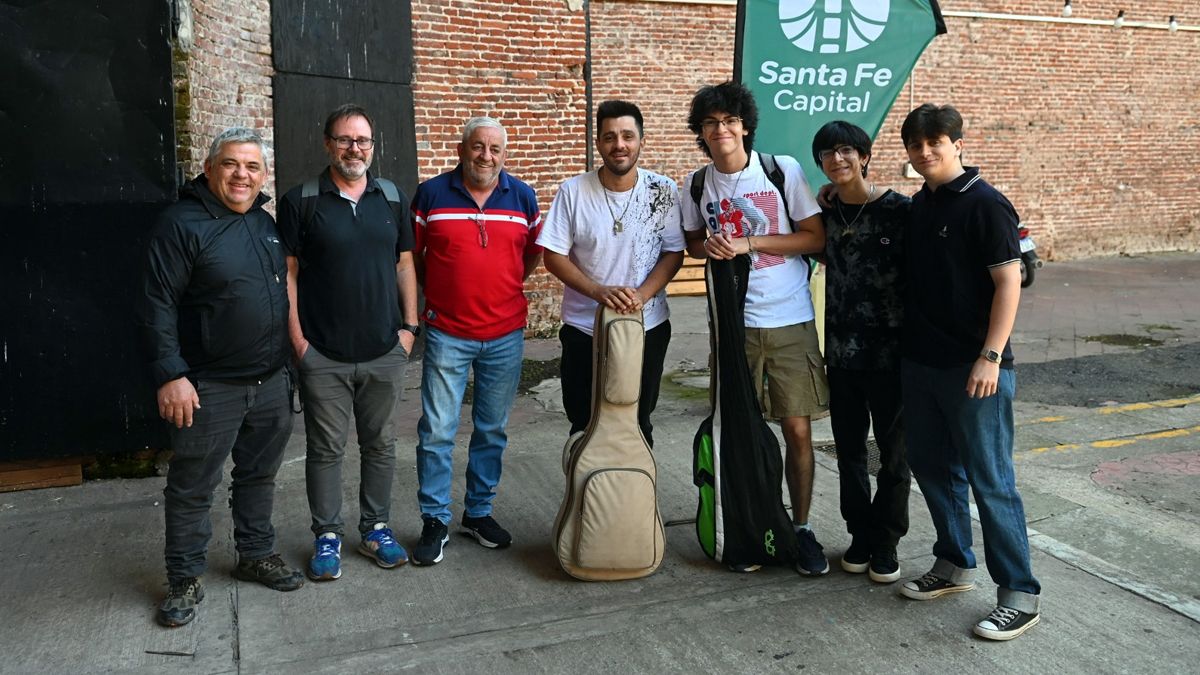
<point x="1117" y="442"/>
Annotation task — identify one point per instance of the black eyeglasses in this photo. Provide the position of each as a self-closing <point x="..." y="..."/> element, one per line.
<point x="344" y="142"/>
<point x="845" y="151"/>
<point x="710" y="125"/>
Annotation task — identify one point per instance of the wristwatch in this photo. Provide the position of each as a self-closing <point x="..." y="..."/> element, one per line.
<point x="991" y="355"/>
<point x="414" y="328"/>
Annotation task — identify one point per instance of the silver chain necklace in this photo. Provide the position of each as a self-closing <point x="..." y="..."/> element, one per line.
<point x="862" y="208"/>
<point x="734" y="193"/>
<point x="618" y="222"/>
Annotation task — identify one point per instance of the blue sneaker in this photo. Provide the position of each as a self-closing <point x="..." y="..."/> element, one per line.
<point x="812" y="560"/>
<point x="382" y="547"/>
<point x="326" y="563"/>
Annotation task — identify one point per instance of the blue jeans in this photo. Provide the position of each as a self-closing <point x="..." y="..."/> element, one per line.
<point x="497" y="366"/>
<point x="955" y="441"/>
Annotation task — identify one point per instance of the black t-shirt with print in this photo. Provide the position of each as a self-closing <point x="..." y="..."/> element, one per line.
<point x="864" y="282"/>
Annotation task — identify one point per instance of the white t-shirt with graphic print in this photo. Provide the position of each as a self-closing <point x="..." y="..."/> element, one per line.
<point x="579" y="225"/>
<point x="777" y="293"/>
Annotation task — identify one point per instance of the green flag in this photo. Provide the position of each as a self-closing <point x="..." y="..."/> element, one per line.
<point x="809" y="62"/>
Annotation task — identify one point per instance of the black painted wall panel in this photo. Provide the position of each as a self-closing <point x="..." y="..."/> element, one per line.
<point x="86" y="108"/>
<point x="348" y="39"/>
<point x="86" y="111"/>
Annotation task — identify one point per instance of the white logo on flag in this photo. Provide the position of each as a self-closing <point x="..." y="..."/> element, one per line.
<point x="833" y="26"/>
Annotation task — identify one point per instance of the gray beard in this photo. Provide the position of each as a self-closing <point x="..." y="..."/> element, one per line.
<point x="350" y="175"/>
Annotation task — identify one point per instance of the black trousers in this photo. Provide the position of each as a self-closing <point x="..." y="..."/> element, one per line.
<point x="253" y="423"/>
<point x="858" y="398"/>
<point x="576" y="374"/>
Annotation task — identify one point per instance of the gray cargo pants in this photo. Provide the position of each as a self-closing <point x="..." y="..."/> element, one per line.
<point x="331" y="391"/>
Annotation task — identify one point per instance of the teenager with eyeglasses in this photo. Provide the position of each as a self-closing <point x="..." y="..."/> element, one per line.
<point x="864" y="314"/>
<point x="742" y="212"/>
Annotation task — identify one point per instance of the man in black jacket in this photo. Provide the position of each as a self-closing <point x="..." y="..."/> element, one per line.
<point x="213" y="317"/>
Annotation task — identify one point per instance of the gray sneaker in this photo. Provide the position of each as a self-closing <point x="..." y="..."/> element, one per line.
<point x="179" y="607"/>
<point x="271" y="572"/>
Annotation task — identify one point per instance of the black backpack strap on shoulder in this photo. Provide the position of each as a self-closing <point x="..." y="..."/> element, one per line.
<point x="309" y="192"/>
<point x="308" y="203"/>
<point x="698" y="188"/>
<point x="775" y="175"/>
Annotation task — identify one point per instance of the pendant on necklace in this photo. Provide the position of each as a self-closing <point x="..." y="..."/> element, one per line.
<point x="618" y="226"/>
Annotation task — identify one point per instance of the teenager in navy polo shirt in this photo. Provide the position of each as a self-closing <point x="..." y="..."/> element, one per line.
<point x="964" y="283"/>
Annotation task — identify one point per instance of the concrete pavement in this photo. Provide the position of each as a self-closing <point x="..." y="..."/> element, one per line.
<point x="1109" y="482"/>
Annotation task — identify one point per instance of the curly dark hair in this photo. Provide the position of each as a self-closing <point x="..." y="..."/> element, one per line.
<point x="731" y="98"/>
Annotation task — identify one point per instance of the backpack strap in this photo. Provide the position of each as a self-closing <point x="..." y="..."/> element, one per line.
<point x="698" y="188"/>
<point x="308" y="207"/>
<point x="390" y="191"/>
<point x="775" y="175"/>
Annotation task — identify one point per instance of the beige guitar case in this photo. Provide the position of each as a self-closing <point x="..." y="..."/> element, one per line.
<point x="608" y="526"/>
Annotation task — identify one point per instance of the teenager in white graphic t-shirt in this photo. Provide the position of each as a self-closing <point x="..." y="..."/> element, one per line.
<point x="742" y="213"/>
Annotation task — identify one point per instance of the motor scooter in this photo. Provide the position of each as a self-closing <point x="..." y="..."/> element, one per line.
<point x="1030" y="262"/>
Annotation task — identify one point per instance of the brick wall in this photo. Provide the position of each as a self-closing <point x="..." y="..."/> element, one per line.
<point x="1090" y="131"/>
<point x="657" y="55"/>
<point x="223" y="72"/>
<point x="521" y="62"/>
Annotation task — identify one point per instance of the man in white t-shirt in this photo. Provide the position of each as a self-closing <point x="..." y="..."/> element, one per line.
<point x="741" y="212"/>
<point x="613" y="236"/>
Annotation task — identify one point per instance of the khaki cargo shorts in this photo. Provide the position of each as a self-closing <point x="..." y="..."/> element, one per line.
<point x="788" y="370"/>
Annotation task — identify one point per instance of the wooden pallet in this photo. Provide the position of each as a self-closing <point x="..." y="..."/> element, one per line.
<point x="40" y="473"/>
<point x="689" y="280"/>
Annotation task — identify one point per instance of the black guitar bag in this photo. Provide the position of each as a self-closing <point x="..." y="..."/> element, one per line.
<point x="737" y="463"/>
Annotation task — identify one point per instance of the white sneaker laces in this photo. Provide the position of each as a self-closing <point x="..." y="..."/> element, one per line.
<point x="1002" y="616"/>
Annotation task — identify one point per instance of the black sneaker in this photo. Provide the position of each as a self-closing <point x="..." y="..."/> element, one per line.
<point x="885" y="568"/>
<point x="486" y="531"/>
<point x="812" y="560"/>
<point x="271" y="572"/>
<point x="744" y="568"/>
<point x="434" y="536"/>
<point x="1005" y="623"/>
<point x="179" y="607"/>
<point x="930" y="586"/>
<point x="857" y="558"/>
